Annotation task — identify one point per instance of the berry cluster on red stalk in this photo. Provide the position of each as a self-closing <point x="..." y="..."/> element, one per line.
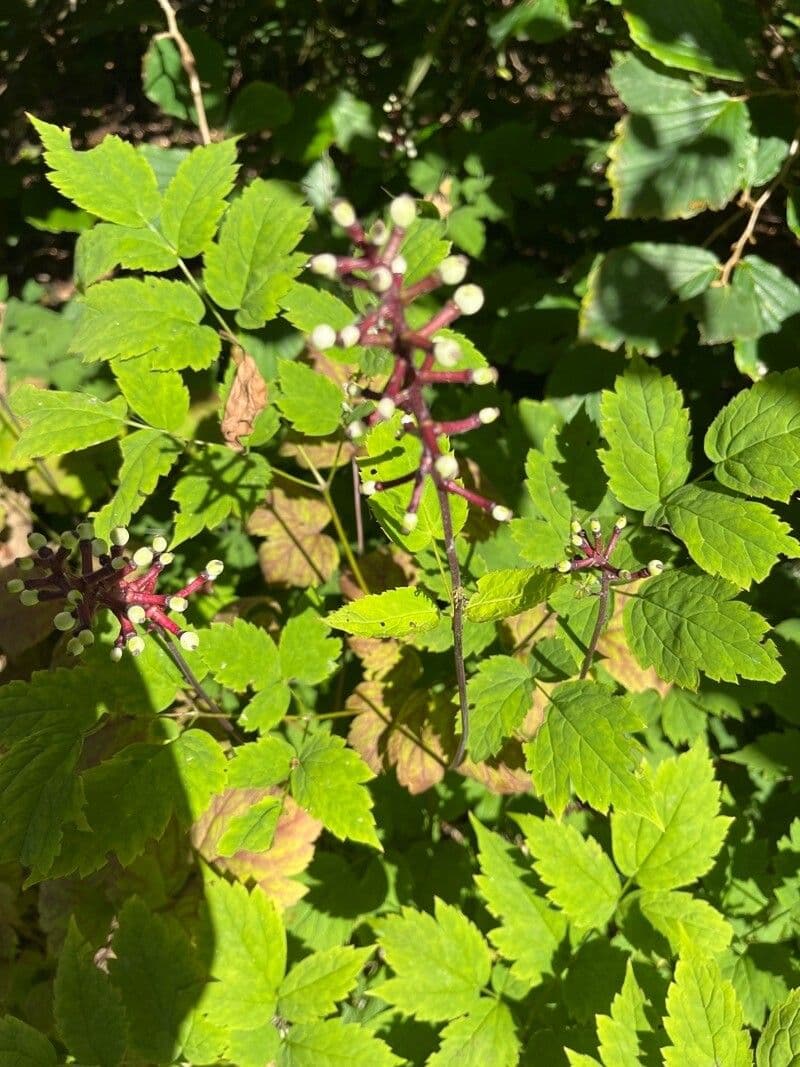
<point x="596" y="556"/>
<point x="422" y="357"/>
<point x="124" y="584"/>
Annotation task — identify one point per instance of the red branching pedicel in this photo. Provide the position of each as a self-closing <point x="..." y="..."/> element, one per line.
<point x="596" y="556"/>
<point x="123" y="584"/>
<point x="421" y="358"/>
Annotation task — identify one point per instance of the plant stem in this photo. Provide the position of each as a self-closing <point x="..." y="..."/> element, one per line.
<point x="602" y="616"/>
<point x="457" y="599"/>
<point x="189" y="65"/>
<point x="175" y="655"/>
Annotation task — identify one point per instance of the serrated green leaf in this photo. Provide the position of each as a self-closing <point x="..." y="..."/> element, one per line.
<point x="107" y="246"/>
<point x="200" y="768"/>
<point x="111" y="181"/>
<point x="500" y="696"/>
<point x="582" y="878"/>
<point x="253" y="830"/>
<point x="486" y="1034"/>
<point x="445" y="980"/>
<point x="307" y="651"/>
<point x="530" y="930"/>
<point x="328" y="781"/>
<point x="157" y="977"/>
<point x="267" y="708"/>
<point x="681" y="917"/>
<point x="395" y="613"/>
<point x="131" y="317"/>
<point x="53" y="700"/>
<point x="88" y="1011"/>
<point x="542" y="539"/>
<point x="194" y="200"/>
<point x="216" y="484"/>
<point x="704" y="1016"/>
<point x="59" y="423"/>
<point x="686" y="799"/>
<point x="306" y="307"/>
<point x="333" y="1043"/>
<point x="158" y="397"/>
<point x="249" y="955"/>
<point x="240" y="655"/>
<point x="754" y="441"/>
<point x="424" y="248"/>
<point x="618" y="1032"/>
<point x="647" y="429"/>
<point x="501" y="594"/>
<point x="680" y="151"/>
<point x="314" y="985"/>
<point x="22" y="1046"/>
<point x="311" y="402"/>
<point x="147" y="455"/>
<point x="683" y="623"/>
<point x="780" y="1040"/>
<point x="261" y="764"/>
<point x="584" y="746"/>
<point x="737" y="539"/>
<point x="758" y="301"/>
<point x="690" y="35"/>
<point x="251" y="265"/>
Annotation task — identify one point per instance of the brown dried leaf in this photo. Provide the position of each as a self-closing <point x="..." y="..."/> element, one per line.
<point x="323" y="452"/>
<point x="385" y="568"/>
<point x="295" y="553"/>
<point x="247" y="397"/>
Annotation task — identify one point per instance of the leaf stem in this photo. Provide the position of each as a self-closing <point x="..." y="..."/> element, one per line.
<point x="189" y="65"/>
<point x="457" y="599"/>
<point x="602" y="616"/>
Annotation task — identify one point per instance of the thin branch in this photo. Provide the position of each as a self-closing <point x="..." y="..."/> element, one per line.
<point x="357" y="508"/>
<point x="189" y="65"/>
<point x="457" y="590"/>
<point x="602" y="616"/>
<point x="175" y="655"/>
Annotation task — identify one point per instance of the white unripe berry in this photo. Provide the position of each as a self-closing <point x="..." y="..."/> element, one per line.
<point x="410" y="520"/>
<point x="64" y="621"/>
<point x="16" y="585"/>
<point x="36" y="541"/>
<point x="487" y="415"/>
<point x="594" y="525"/>
<point x="143" y="556"/>
<point x="136" y="614"/>
<point x="384" y="133"/>
<point x="177" y="603"/>
<point x="468" y="299"/>
<point x="119" y="536"/>
<point x="621" y="522"/>
<point x="625" y="576"/>
<point x="501" y="514"/>
<point x="577" y="540"/>
<point x="447" y="466"/>
<point x="349" y="336"/>
<point x="369" y="488"/>
<point x="99" y="547"/>
<point x="655" y="566"/>
<point x="29" y="597"/>
<point x="575" y="526"/>
<point x="189" y="640"/>
<point x="378" y="233"/>
<point x="115" y="654"/>
<point x="86" y="638"/>
<point x="564" y="567"/>
<point x="323" y="336"/>
<point x="381" y="279"/>
<point x="403" y="210"/>
<point x="356" y="430"/>
<point x="74" y="596"/>
<point x="136" y="645"/>
<point x="343" y="213"/>
<point x="323" y="264"/>
<point x="75" y="646"/>
<point x="484" y="376"/>
<point x="159" y="544"/>
<point x="68" y="540"/>
<point x="24" y="564"/>
<point x="453" y="270"/>
<point x="167" y="558"/>
<point x="399" y="265"/>
<point x="386" y="407"/>
<point x="118" y="563"/>
<point x="214" y="568"/>
<point x="446" y="351"/>
<point x="85" y="531"/>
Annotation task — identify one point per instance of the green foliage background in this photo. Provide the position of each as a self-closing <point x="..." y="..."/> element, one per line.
<point x="612" y="877"/>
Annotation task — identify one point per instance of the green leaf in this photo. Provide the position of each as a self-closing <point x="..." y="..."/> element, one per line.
<point x="686" y="799"/>
<point x="757" y="302"/>
<point x="311" y="402"/>
<point x="240" y="655"/>
<point x="754" y="441"/>
<point x="500" y="695"/>
<point x="542" y="539"/>
<point x="734" y="538"/>
<point x="314" y="985"/>
<point x="194" y="200"/>
<point x="424" y="248"/>
<point x="683" y="623"/>
<point x="333" y="1043"/>
<point x="258" y="106"/>
<point x="681" y="918"/>
<point x="306" y="307"/>
<point x="158" y="397"/>
<point x="112" y="180"/>
<point x="267" y="708"/>
<point x="22" y="1046"/>
<point x="156" y="975"/>
<point x="249" y="955"/>
<point x="328" y="782"/>
<point x="443" y="981"/>
<point x="147" y="455"/>
<point x="530" y="930"/>
<point x="200" y="769"/>
<point x="704" y="1016"/>
<point x="618" y="1032"/>
<point x="647" y="429"/>
<point x="501" y="594"/>
<point x="107" y="246"/>
<point x="780" y="1040"/>
<point x="680" y="151"/>
<point x="486" y="1034"/>
<point x="261" y="764"/>
<point x="690" y="35"/>
<point x="584" y="746"/>
<point x="253" y="830"/>
<point x="53" y="700"/>
<point x="307" y="652"/>
<point x="153" y="317"/>
<point x="59" y="423"/>
<point x="583" y="881"/>
<point x="164" y="78"/>
<point x="88" y="1011"/>
<point x="631" y="295"/>
<point x="216" y="484"/>
<point x="251" y="266"/>
<point x="395" y="613"/>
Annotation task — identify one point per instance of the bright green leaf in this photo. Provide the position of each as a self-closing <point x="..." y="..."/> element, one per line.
<point x="147" y="455"/>
<point x="486" y="1034"/>
<point x="158" y="397"/>
<point x="328" y="781"/>
<point x="311" y="402"/>
<point x="681" y="917"/>
<point x="779" y="1045"/>
<point x="59" y="423"/>
<point x="500" y="695"/>
<point x="333" y="1043"/>
<point x="195" y="198"/>
<point x="501" y="594"/>
<point x="307" y="652"/>
<point x="314" y="985"/>
<point x="252" y="830"/>
<point x="395" y="613"/>
<point x="240" y="655"/>
<point x="215" y="484"/>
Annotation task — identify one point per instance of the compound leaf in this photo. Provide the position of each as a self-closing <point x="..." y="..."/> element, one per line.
<point x="194" y="200"/>
<point x="681" y="917"/>
<point x="241" y="655"/>
<point x="500" y="694"/>
<point x="333" y="1043"/>
<point x="307" y="652"/>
